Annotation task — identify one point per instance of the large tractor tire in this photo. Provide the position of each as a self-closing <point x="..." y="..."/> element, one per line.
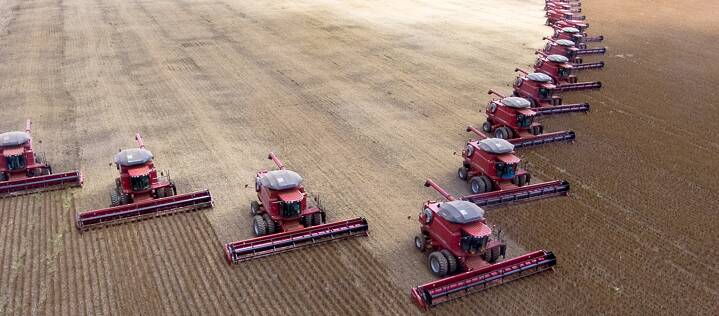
<point x="317" y="219"/>
<point x="269" y="223"/>
<point x="451" y="261"/>
<point x="438" y="264"/>
<point x="259" y="227"/>
<point x="125" y="199"/>
<point x="480" y="184"/>
<point x="115" y="198"/>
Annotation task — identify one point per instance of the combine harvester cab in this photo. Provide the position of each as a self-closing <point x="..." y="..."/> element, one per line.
<point x="543" y="94"/>
<point x="140" y="192"/>
<point x="490" y="168"/>
<point x="23" y="171"/>
<point x="574" y="7"/>
<point x="283" y="220"/>
<point x="464" y="251"/>
<point x="513" y="119"/>
<point x="561" y="71"/>
<point x="569" y="49"/>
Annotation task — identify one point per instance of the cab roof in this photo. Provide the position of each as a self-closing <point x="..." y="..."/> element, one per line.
<point x="495" y="146"/>
<point x="133" y="157"/>
<point x="565" y="42"/>
<point x="460" y="212"/>
<point x="558" y="59"/>
<point x="539" y="77"/>
<point x="569" y="29"/>
<point x="13" y="139"/>
<point x="281" y="180"/>
<point x="516" y="102"/>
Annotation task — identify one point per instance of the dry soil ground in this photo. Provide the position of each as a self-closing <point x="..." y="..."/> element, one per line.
<point x="365" y="99"/>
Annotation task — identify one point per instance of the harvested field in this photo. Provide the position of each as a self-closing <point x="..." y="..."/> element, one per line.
<point x="365" y="100"/>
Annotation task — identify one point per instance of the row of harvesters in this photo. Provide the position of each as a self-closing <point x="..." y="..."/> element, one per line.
<point x="139" y="191"/>
<point x="283" y="218"/>
<point x="461" y="247"/>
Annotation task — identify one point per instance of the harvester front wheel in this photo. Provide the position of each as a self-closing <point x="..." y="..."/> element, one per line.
<point x="479" y="185"/>
<point x="114" y="198"/>
<point x="451" y="261"/>
<point x="503" y="133"/>
<point x="316" y="219"/>
<point x="462" y="173"/>
<point x="438" y="264"/>
<point x="3" y="177"/>
<point x="269" y="223"/>
<point x="537" y="130"/>
<point x="259" y="226"/>
<point x="254" y="208"/>
<point x="125" y="199"/>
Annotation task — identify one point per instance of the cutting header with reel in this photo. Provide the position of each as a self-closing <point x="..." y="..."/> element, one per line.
<point x="284" y="220"/>
<point x="141" y="192"/>
<point x="24" y="171"/>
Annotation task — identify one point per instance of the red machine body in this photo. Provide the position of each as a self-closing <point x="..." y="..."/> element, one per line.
<point x="23" y="171"/>
<point x="459" y="243"/>
<point x="140" y="192"/>
<point x="283" y="220"/>
<point x="582" y="26"/>
<point x="490" y="165"/>
<point x="538" y="89"/>
<point x="569" y="49"/>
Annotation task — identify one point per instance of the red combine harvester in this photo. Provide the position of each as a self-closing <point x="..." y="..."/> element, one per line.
<point x="556" y="5"/>
<point x="575" y="67"/>
<point x="283" y="220"/>
<point x="141" y="193"/>
<point x="512" y="118"/>
<point x="460" y="244"/>
<point x="490" y="165"/>
<point x="568" y="49"/>
<point x="542" y="93"/>
<point x="561" y="71"/>
<point x="575" y="35"/>
<point x="555" y="15"/>
<point x="23" y="171"/>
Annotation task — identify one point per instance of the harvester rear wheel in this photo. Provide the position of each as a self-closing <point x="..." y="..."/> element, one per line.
<point x="420" y="242"/>
<point x="269" y="223"/>
<point x="438" y="264"/>
<point x="254" y="208"/>
<point x="114" y="198"/>
<point x="462" y="173"/>
<point x="487" y="127"/>
<point x="451" y="261"/>
<point x="259" y="226"/>
<point x="317" y="219"/>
